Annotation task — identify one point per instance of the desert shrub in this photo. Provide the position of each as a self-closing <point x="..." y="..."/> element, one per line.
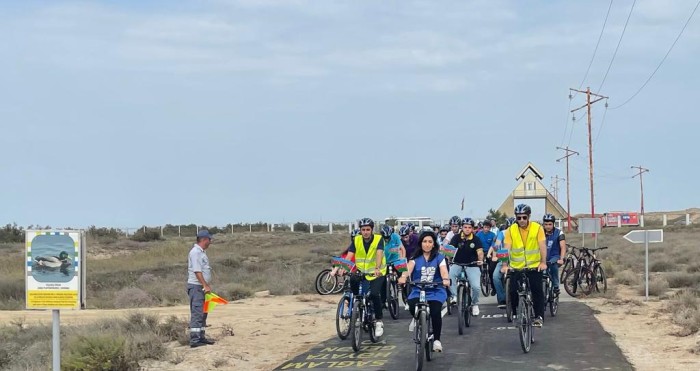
<point x="133" y="297"/>
<point x="627" y="277"/>
<point x="694" y="268"/>
<point x="662" y="266"/>
<point x="146" y="236"/>
<point x="174" y="329"/>
<point x="235" y="291"/>
<point x="676" y="280"/>
<point x="11" y="294"/>
<point x="301" y="227"/>
<point x="230" y="262"/>
<point x="146" y="278"/>
<point x="98" y="352"/>
<point x="685" y="312"/>
<point x="610" y="268"/>
<point x="657" y="287"/>
<point x="11" y="233"/>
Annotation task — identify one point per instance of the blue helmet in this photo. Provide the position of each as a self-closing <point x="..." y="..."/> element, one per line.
<point x="354" y="232"/>
<point x="387" y="231"/>
<point x="523" y="209"/>
<point x="366" y="222"/>
<point x="455" y="220"/>
<point x="404" y="230"/>
<point x="549" y="218"/>
<point x="469" y="221"/>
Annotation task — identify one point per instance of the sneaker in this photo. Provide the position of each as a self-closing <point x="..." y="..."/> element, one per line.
<point x="501" y="305"/>
<point x="537" y="322"/>
<point x="453" y="300"/>
<point x="412" y="325"/>
<point x="207" y="341"/>
<point x="405" y="307"/>
<point x="475" y="310"/>
<point x="493" y="292"/>
<point x="378" y="329"/>
<point x="437" y="346"/>
<point x="197" y="344"/>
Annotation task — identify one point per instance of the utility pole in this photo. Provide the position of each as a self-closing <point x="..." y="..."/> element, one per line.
<point x="590" y="138"/>
<point x="641" y="171"/>
<point x="555" y="186"/>
<point x="568" y="198"/>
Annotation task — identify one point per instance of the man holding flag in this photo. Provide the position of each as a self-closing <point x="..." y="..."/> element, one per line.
<point x="199" y="276"/>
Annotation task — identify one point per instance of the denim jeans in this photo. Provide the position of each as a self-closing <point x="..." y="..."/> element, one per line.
<point x="474" y="278"/>
<point x="498" y="283"/>
<point x="553" y="269"/>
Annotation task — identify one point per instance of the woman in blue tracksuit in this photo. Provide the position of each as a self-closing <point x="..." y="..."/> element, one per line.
<point x="428" y="265"/>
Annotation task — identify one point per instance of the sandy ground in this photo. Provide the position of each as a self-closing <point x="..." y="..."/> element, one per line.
<point x="645" y="333"/>
<point x="267" y="331"/>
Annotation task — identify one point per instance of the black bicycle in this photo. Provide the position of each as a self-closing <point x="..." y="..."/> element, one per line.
<point x="362" y="318"/>
<point x="587" y="275"/>
<point x="423" y="332"/>
<point x="525" y="309"/>
<point x="392" y="291"/>
<point x="344" y="313"/>
<point x="464" y="297"/>
<point x="599" y="278"/>
<point x="485" y="279"/>
<point x="550" y="297"/>
<point x="573" y="254"/>
<point x="506" y="278"/>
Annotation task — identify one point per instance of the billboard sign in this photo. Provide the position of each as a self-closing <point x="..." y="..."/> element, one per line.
<point x="55" y="273"/>
<point x="626" y="219"/>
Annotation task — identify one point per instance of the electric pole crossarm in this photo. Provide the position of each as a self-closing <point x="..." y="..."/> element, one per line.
<point x="585" y="92"/>
<point x="586" y="105"/>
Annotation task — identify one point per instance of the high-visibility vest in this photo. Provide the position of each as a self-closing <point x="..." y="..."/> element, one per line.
<point x="524" y="254"/>
<point x="366" y="261"/>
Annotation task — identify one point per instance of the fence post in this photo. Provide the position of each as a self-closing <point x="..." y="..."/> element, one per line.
<point x="349" y="227"/>
<point x="144" y="229"/>
<point x="311" y="228"/>
<point x="161" y="231"/>
<point x="291" y="226"/>
<point x="687" y="219"/>
<point x="231" y="228"/>
<point x="330" y="228"/>
<point x="619" y="221"/>
<point x="179" y="231"/>
<point x="272" y="227"/>
<point x="198" y="229"/>
<point x="665" y="220"/>
<point x="641" y="219"/>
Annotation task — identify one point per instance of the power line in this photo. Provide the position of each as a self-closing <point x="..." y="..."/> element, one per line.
<point x="602" y="121"/>
<point x="662" y="60"/>
<point x="596" y="48"/>
<point x="618" y="46"/>
<point x="566" y="121"/>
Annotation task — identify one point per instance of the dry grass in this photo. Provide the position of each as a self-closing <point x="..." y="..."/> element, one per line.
<point x="135" y="274"/>
<point x="681" y="280"/>
<point x="685" y="312"/>
<point x="627" y="277"/>
<point x="657" y="287"/>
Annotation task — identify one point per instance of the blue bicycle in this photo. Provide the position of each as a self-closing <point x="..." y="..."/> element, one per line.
<point x="362" y="316"/>
<point x="344" y="312"/>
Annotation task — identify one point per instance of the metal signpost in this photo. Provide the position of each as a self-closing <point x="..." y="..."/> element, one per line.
<point x="646" y="237"/>
<point x="55" y="276"/>
<point x="590" y="226"/>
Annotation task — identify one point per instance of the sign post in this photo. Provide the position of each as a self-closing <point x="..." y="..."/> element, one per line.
<point x="645" y="237"/>
<point x="55" y="276"/>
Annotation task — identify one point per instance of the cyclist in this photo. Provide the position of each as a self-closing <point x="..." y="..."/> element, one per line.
<point x="488" y="241"/>
<point x="443" y="234"/>
<point x="455" y="223"/>
<point x="392" y="241"/>
<point x="556" y="249"/>
<point x="497" y="275"/>
<point x="526" y="245"/>
<point x="435" y="228"/>
<point x="428" y="265"/>
<point x="368" y="251"/>
<point x="469" y="249"/>
<point x="410" y="244"/>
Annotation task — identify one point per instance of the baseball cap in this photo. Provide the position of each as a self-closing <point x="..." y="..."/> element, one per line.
<point x="204" y="234"/>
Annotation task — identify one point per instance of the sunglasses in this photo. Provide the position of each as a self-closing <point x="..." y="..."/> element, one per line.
<point x="523" y="217"/>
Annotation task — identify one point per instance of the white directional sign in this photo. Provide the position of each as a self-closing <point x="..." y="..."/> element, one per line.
<point x="653" y="235"/>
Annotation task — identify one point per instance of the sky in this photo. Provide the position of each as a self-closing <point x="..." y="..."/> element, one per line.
<point x="130" y="113"/>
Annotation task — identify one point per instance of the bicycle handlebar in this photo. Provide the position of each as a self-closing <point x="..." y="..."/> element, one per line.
<point x="425" y="285"/>
<point x="472" y="264"/>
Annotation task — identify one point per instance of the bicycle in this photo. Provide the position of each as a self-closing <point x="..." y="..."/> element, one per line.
<point x="525" y="309"/>
<point x="325" y="283"/>
<point x="506" y="286"/>
<point x="570" y="261"/>
<point x="599" y="277"/>
<point x="362" y="318"/>
<point x="587" y="275"/>
<point x="344" y="313"/>
<point x="464" y="297"/>
<point x="423" y="332"/>
<point x="485" y="279"/>
<point x="549" y="296"/>
<point x="392" y="294"/>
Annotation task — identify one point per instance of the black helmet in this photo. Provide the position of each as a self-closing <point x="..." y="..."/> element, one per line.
<point x="549" y="218"/>
<point x="469" y="221"/>
<point x="365" y="222"/>
<point x="455" y="220"/>
<point x="480" y="225"/>
<point x="403" y="231"/>
<point x="354" y="233"/>
<point x="445" y="228"/>
<point x="387" y="230"/>
<point x="411" y="226"/>
<point x="523" y="209"/>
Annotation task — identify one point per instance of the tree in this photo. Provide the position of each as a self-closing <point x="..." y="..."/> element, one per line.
<point x="498" y="216"/>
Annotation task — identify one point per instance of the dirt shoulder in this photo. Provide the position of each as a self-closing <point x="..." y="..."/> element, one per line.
<point x="267" y="331"/>
<point x="644" y="332"/>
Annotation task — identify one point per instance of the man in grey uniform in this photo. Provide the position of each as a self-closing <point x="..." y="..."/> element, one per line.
<point x="199" y="276"/>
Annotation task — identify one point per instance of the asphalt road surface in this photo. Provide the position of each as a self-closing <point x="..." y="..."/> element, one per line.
<point x="573" y="340"/>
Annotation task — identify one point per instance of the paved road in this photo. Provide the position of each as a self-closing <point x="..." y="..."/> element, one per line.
<point x="573" y="340"/>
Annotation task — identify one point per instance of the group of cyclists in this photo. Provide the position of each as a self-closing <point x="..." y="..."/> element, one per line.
<point x="520" y="244"/>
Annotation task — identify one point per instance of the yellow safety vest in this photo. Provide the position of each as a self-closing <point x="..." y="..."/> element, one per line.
<point x="366" y="261"/>
<point x="524" y="254"/>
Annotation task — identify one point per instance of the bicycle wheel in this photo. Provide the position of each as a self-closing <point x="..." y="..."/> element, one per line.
<point x="554" y="305"/>
<point x="468" y="311"/>
<point x="325" y="283"/>
<point x="485" y="284"/>
<point x="601" y="281"/>
<point x="429" y="339"/>
<point x="420" y="339"/>
<point x="571" y="283"/>
<point x="393" y="299"/>
<point x="509" y="309"/>
<point x="342" y="318"/>
<point x="461" y="307"/>
<point x="586" y="282"/>
<point x="524" y="327"/>
<point x="356" y="326"/>
<point x="568" y="266"/>
<point x="340" y="284"/>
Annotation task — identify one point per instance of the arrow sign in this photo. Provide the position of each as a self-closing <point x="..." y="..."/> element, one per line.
<point x="655" y="235"/>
